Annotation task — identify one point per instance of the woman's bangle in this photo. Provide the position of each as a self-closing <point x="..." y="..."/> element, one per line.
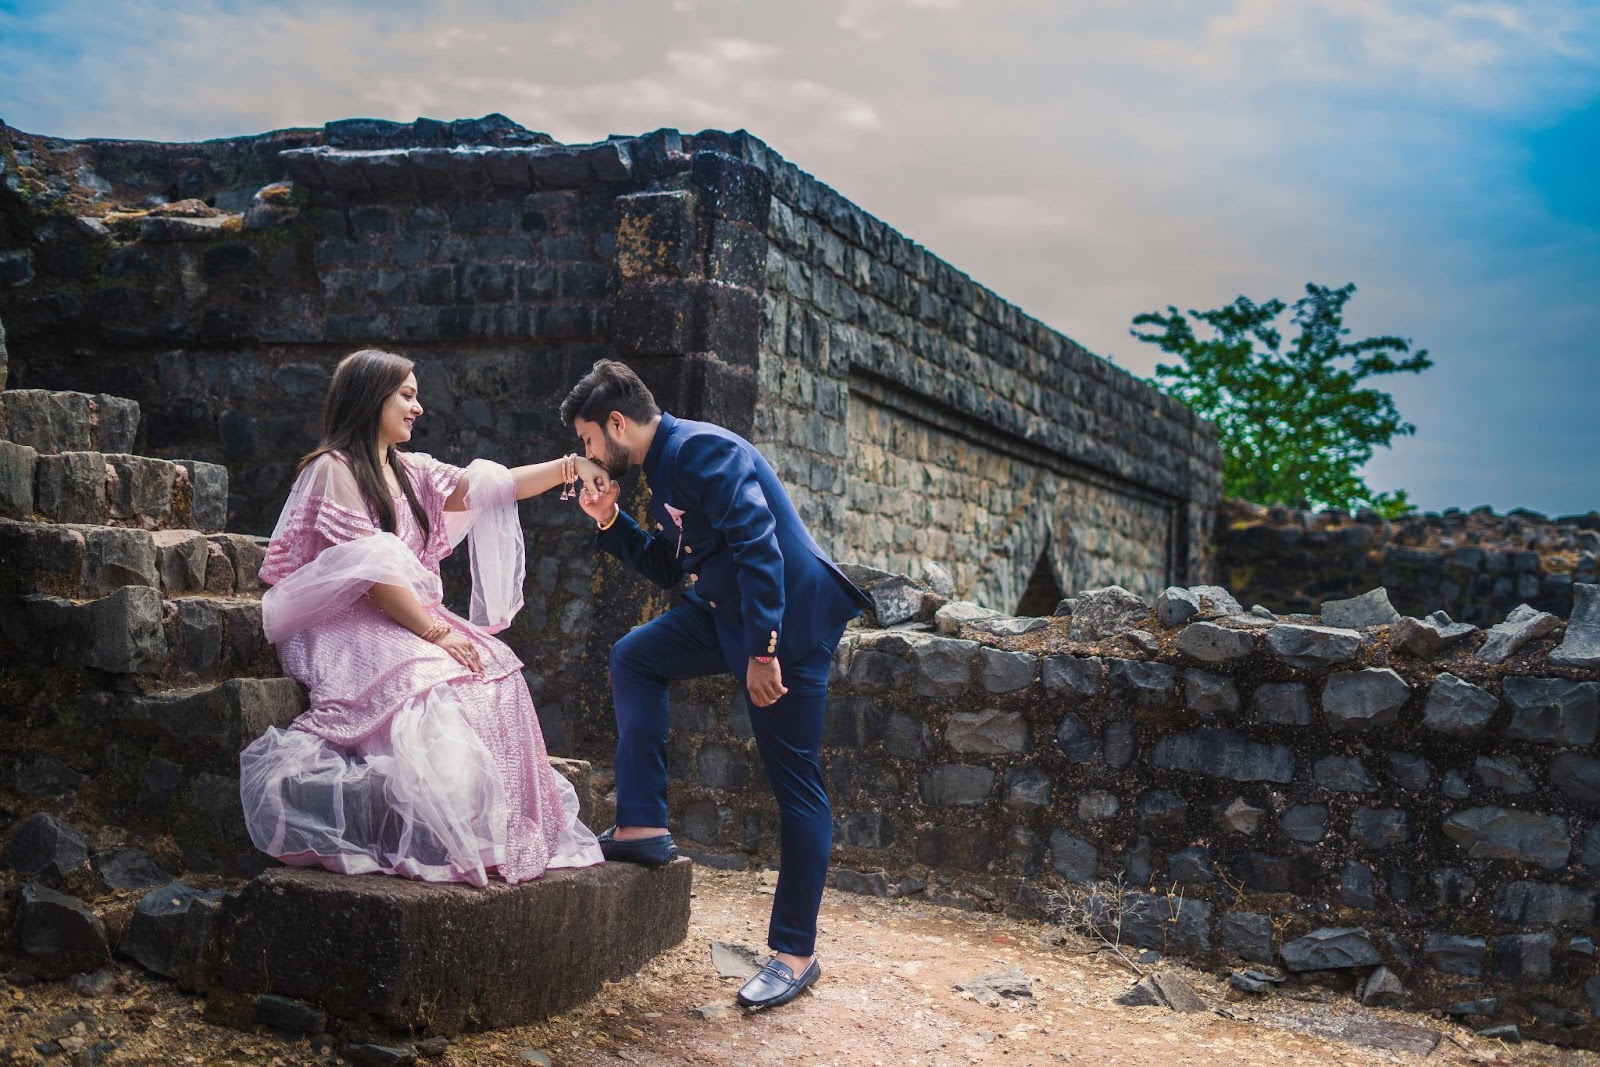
<point x="436" y="631"/>
<point x="604" y="526"/>
<point x="569" y="476"/>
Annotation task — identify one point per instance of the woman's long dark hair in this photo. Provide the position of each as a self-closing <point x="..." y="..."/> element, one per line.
<point x="363" y="383"/>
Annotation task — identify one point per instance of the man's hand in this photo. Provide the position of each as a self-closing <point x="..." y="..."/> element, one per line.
<point x="765" y="682"/>
<point x="601" y="505"/>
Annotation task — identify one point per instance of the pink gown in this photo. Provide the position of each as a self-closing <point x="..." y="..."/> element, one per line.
<point x="406" y="762"/>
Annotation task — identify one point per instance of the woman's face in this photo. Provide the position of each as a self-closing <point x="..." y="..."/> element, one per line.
<point x="401" y="411"/>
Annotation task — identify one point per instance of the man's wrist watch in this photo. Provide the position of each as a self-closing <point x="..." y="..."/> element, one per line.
<point x="604" y="526"/>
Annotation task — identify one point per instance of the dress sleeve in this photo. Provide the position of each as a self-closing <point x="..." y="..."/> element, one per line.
<point x="438" y="479"/>
<point x="326" y="552"/>
<point x="325" y="508"/>
<point x="435" y="482"/>
<point x="489" y="522"/>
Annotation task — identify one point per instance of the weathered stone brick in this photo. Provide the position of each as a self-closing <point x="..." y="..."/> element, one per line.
<point x="1458" y="708"/>
<point x="1074" y="680"/>
<point x="989" y="732"/>
<point x="1006" y="672"/>
<point x="1217" y="753"/>
<point x="1503" y="834"/>
<point x="1365" y="699"/>
<point x="1142" y="684"/>
<point x="955" y="785"/>
<point x="1551" y="710"/>
<point x="1209" y="694"/>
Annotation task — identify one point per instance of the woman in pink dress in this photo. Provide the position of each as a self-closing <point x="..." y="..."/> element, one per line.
<point x="420" y="754"/>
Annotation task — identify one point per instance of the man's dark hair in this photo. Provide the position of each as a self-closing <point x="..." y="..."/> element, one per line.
<point x="609" y="386"/>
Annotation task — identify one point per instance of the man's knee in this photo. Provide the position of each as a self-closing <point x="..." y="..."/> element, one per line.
<point x="625" y="658"/>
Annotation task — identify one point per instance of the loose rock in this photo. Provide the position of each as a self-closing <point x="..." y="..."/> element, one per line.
<point x="61" y="933"/>
<point x="998" y="987"/>
<point x="1383" y="990"/>
<point x="1210" y="643"/>
<point x="1425" y="638"/>
<point x="1331" y="949"/>
<point x="1521" y="626"/>
<point x="1369" y="609"/>
<point x="1580" y="647"/>
<point x="1312" y="646"/>
<point x="1101" y="613"/>
<point x="1176" y="606"/>
<point x="42" y="846"/>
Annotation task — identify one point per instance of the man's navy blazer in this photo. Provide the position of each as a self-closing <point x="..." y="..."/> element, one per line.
<point x="722" y="518"/>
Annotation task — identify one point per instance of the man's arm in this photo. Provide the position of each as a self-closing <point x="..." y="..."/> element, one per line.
<point x="653" y="557"/>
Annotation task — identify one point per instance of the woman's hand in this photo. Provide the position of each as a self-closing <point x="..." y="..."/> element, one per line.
<point x="594" y="476"/>
<point x="461" y="650"/>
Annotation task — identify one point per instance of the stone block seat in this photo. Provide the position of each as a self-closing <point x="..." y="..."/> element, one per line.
<point x="441" y="959"/>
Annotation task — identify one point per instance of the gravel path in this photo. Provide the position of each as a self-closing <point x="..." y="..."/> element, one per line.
<point x="887" y="997"/>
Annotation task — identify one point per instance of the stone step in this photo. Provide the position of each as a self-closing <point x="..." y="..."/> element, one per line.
<point x="50" y="421"/>
<point x="112" y="489"/>
<point x="440" y="959"/>
<point x="207" y="724"/>
<point x="133" y="631"/>
<point x="79" y="561"/>
<point x="120" y="634"/>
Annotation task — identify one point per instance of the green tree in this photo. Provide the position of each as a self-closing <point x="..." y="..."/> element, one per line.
<point x="1294" y="422"/>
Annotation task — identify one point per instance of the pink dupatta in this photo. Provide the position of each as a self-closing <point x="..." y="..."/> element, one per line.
<point x="327" y="551"/>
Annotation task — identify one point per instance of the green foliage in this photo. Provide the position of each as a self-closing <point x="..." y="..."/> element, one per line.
<point x="1294" y="422"/>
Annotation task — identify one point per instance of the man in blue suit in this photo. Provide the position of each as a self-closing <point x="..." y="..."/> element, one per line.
<point x="763" y="603"/>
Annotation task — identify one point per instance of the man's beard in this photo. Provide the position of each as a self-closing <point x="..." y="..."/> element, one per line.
<point x="617" y="459"/>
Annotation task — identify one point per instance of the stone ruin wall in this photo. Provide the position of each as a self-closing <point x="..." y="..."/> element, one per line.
<point x="1232" y="785"/>
<point x="921" y="418"/>
<point x="913" y="414"/>
<point x="1475" y="565"/>
<point x="1244" y="799"/>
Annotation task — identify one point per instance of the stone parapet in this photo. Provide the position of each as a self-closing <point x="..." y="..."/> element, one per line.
<point x="1295" y="777"/>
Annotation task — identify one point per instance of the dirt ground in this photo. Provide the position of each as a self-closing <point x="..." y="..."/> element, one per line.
<point x="886" y="998"/>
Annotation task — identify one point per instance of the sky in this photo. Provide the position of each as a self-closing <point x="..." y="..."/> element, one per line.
<point x="1087" y="160"/>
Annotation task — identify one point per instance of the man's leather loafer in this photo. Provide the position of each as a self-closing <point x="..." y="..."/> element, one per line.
<point x="649" y="851"/>
<point x="776" y="984"/>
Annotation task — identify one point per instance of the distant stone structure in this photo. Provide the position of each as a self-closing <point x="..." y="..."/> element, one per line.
<point x="1475" y="564"/>
<point x="914" y="415"/>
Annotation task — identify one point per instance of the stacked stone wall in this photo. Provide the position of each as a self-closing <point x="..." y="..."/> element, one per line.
<point x="1227" y="784"/>
<point x="918" y="416"/>
<point x="1475" y="564"/>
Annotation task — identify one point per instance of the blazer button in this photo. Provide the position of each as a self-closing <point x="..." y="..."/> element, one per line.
<point x="693" y="578"/>
<point x="658" y="527"/>
<point x="713" y="604"/>
<point x="688" y="549"/>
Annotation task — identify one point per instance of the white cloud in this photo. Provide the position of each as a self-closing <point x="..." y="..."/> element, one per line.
<point x="1087" y="159"/>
